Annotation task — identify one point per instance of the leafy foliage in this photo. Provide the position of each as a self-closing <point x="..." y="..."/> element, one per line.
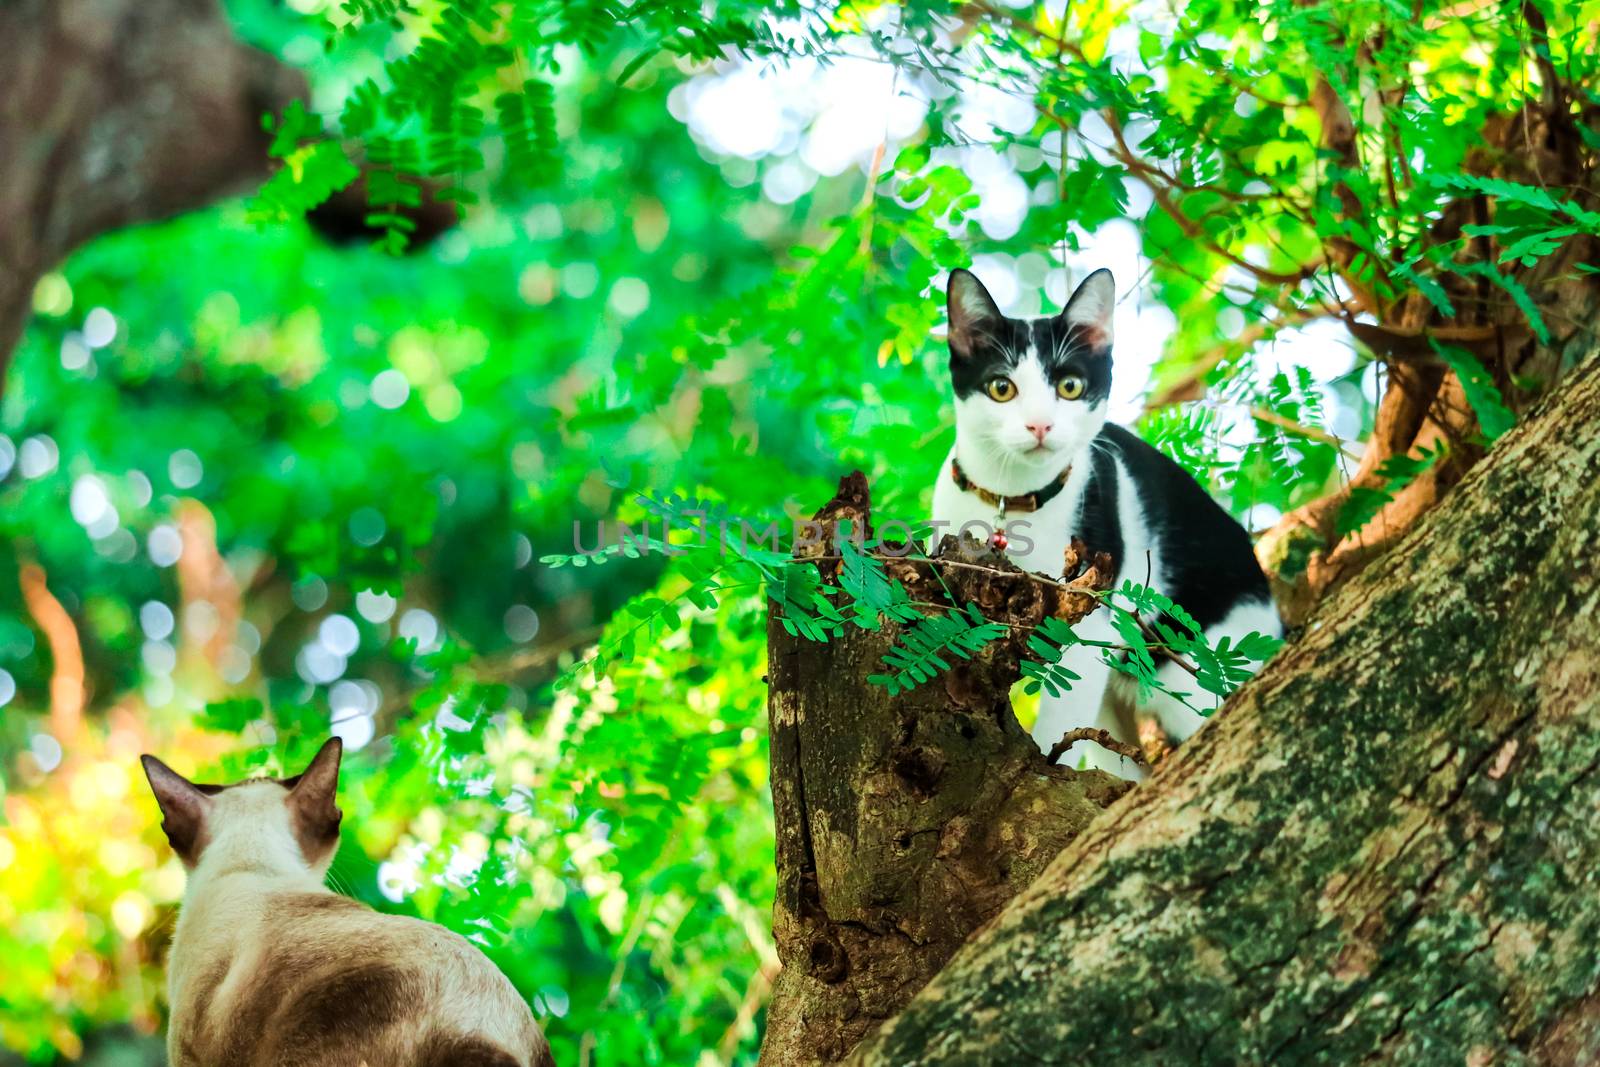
<point x="279" y="488"/>
<point x="928" y="645"/>
<point x="1394" y="474"/>
<point x="528" y="122"/>
<point x="1493" y="415"/>
<point x="312" y="170"/>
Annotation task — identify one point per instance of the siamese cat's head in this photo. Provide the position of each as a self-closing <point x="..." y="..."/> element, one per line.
<point x="1030" y="393"/>
<point x="284" y="826"/>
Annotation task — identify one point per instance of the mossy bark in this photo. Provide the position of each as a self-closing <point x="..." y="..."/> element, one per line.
<point x="1387" y="848"/>
<point x="903" y="823"/>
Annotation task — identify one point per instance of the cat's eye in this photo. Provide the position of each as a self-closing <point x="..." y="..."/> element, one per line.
<point x="1070" y="388"/>
<point x="1001" y="389"/>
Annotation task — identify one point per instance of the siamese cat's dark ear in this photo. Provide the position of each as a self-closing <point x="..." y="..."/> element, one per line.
<point x="1091" y="308"/>
<point x="183" y="808"/>
<point x="972" y="312"/>
<point x="311" y="801"/>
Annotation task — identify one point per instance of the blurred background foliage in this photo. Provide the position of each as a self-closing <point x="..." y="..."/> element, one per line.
<point x="256" y="485"/>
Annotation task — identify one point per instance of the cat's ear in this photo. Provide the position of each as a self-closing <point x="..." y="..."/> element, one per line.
<point x="183" y="808"/>
<point x="311" y="802"/>
<point x="1091" y="307"/>
<point x="972" y="312"/>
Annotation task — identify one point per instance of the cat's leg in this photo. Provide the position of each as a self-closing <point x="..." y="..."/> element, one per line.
<point x="1180" y="722"/>
<point x="1089" y="702"/>
<point x="1177" y="720"/>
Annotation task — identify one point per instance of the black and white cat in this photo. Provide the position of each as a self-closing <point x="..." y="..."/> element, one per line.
<point x="1033" y="448"/>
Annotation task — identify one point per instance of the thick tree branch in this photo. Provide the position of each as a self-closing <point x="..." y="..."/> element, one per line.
<point x="117" y="112"/>
<point x="1383" y="851"/>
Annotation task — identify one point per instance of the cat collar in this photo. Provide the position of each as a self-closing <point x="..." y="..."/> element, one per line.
<point x="1024" y="502"/>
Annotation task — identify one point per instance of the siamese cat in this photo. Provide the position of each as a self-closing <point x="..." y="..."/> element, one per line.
<point x="271" y="969"/>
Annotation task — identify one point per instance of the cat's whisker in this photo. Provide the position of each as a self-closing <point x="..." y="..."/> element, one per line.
<point x="338" y="883"/>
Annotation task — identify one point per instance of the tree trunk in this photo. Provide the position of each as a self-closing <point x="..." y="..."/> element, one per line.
<point x="1424" y="405"/>
<point x="117" y="112"/>
<point x="1387" y="849"/>
<point x="903" y="823"/>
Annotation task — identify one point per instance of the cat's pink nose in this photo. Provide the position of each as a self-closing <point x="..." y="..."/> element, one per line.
<point x="1039" y="430"/>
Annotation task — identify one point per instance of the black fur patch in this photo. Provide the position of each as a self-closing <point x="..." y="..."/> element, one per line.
<point x="1064" y="349"/>
<point x="452" y="1050"/>
<point x="985" y="344"/>
<point x="1098" y="522"/>
<point x="1211" y="565"/>
<point x="347" y="1007"/>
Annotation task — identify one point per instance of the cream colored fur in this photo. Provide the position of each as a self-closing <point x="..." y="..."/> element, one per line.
<point x="262" y="944"/>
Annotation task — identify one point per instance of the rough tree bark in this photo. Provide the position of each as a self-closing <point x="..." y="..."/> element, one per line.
<point x="117" y="112"/>
<point x="1387" y="849"/>
<point x="903" y="823"/>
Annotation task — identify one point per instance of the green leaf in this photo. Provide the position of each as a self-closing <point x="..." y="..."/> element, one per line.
<point x="1494" y="418"/>
<point x="231" y="715"/>
<point x="1394" y="474"/>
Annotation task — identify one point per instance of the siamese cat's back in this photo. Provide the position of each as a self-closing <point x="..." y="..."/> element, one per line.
<point x="269" y="969"/>
<point x="336" y="984"/>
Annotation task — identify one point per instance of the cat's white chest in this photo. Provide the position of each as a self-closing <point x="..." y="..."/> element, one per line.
<point x="1036" y="540"/>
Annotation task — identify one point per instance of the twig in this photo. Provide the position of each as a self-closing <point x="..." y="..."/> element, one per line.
<point x="67" y="678"/>
<point x="1191" y="385"/>
<point x="1299" y="429"/>
<point x="1100" y="737"/>
<point x="501" y="668"/>
<point x="756" y="995"/>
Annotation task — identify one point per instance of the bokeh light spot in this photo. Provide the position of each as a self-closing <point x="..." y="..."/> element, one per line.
<point x="184" y="469"/>
<point x="309" y="593"/>
<point x="390" y="389"/>
<point x="38" y="456"/>
<point x="159" y="657"/>
<point x="130" y="913"/>
<point x="629" y="297"/>
<point x="375" y="607"/>
<point x="46" y="752"/>
<point x="318" y="664"/>
<point x="355" y="730"/>
<point x="234" y="664"/>
<point x="89" y="500"/>
<point x="52" y="295"/>
<point x="165" y="545"/>
<point x="367" y="526"/>
<point x="420" y="625"/>
<point x="522" y="623"/>
<point x="99" y="328"/>
<point x="580" y="280"/>
<point x="75" y="352"/>
<point x="443" y="402"/>
<point x="156" y="620"/>
<point x="339" y="635"/>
